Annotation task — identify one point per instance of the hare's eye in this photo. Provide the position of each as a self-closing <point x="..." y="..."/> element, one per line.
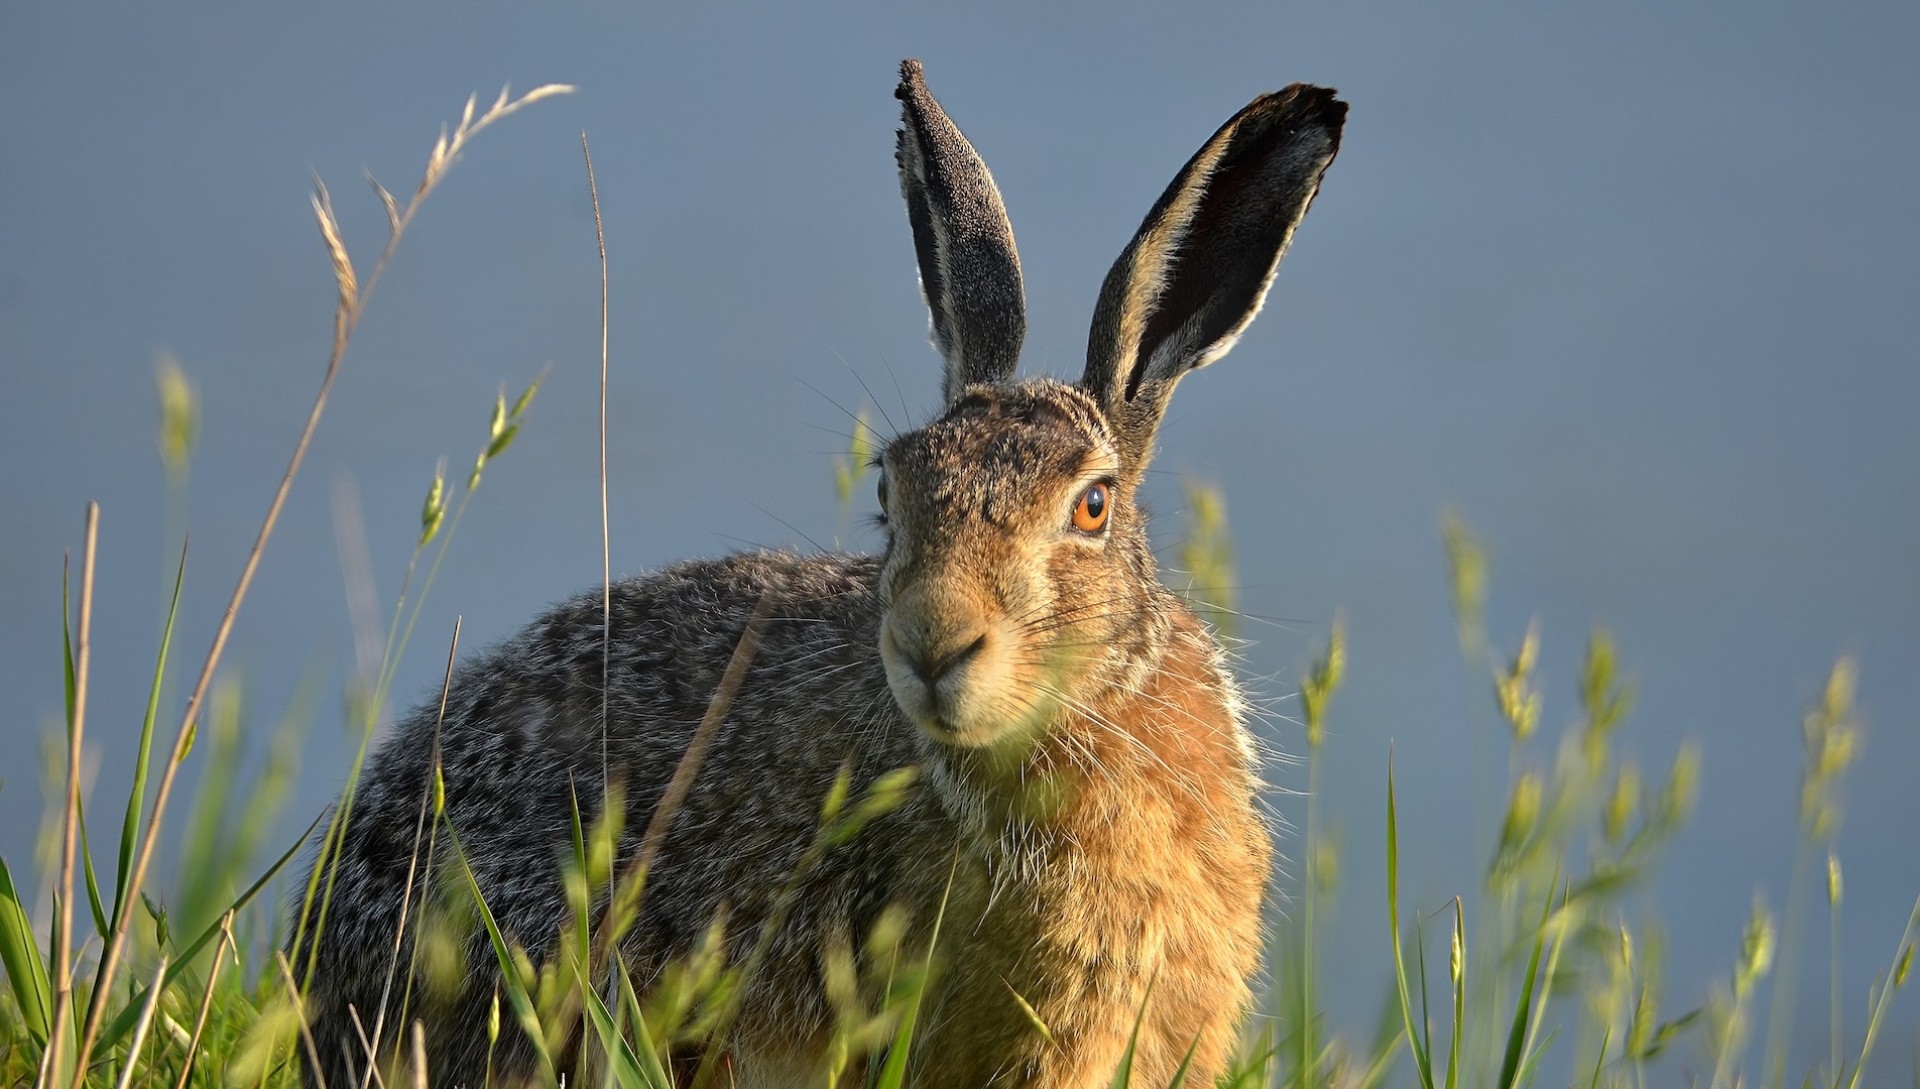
<point x="1090" y="513"/>
<point x="881" y="495"/>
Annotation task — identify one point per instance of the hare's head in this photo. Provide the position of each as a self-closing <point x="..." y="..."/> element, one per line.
<point x="1018" y="577"/>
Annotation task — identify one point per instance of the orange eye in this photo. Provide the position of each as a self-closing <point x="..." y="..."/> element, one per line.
<point x="1090" y="513"/>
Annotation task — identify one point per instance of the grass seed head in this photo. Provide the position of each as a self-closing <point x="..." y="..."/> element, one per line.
<point x="179" y="415"/>
<point x="1757" y="945"/>
<point x="435" y="506"/>
<point x="1466" y="576"/>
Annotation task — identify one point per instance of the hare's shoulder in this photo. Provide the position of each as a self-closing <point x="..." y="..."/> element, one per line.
<point x="688" y="616"/>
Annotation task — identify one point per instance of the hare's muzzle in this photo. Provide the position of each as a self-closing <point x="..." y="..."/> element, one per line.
<point x="946" y="677"/>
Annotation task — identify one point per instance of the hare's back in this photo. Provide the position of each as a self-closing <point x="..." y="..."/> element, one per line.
<point x="531" y="711"/>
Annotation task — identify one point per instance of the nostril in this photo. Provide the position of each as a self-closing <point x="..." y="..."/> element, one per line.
<point x="932" y="665"/>
<point x="979" y="644"/>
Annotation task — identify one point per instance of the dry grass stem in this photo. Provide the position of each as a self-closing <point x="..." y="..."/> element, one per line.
<point x="606" y="550"/>
<point x="373" y="1052"/>
<point x="300" y="1016"/>
<point x="220" y="949"/>
<point x="76" y="730"/>
<point x="661" y="822"/>
<point x="145" y="1024"/>
<point x="419" y="1056"/>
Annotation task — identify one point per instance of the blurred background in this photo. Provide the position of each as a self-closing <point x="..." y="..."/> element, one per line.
<point x="1632" y="287"/>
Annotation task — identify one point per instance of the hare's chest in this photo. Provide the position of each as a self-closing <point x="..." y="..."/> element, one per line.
<point x="1145" y="885"/>
<point x="1119" y="908"/>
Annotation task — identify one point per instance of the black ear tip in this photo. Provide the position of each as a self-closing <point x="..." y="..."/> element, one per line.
<point x="1304" y="104"/>
<point x="911" y="81"/>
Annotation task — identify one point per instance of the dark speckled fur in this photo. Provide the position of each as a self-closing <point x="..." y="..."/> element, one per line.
<point x="1091" y="686"/>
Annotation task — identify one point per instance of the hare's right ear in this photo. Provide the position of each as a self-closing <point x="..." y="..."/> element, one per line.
<point x="1197" y="271"/>
<point x="969" y="272"/>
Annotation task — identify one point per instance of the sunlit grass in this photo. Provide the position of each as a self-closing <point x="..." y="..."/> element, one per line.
<point x="117" y="979"/>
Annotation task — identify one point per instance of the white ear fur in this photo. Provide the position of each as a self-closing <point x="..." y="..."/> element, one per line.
<point x="1198" y="269"/>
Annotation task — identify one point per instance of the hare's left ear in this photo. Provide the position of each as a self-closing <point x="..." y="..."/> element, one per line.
<point x="1198" y="269"/>
<point x="969" y="271"/>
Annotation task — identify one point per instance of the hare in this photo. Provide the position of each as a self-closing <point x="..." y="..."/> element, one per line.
<point x="1082" y="829"/>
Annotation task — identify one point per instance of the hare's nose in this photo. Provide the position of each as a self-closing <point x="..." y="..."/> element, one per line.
<point x="931" y="663"/>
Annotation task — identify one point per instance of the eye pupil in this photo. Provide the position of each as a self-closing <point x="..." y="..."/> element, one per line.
<point x="1090" y="513"/>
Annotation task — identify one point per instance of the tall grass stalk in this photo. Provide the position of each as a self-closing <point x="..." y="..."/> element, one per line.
<point x="81" y="661"/>
<point x="1883" y="989"/>
<point x="606" y="546"/>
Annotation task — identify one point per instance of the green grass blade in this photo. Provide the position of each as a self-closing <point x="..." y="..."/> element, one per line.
<point x="123" y="1024"/>
<point x="1902" y="954"/>
<point x="893" y="1074"/>
<point x="1186" y="1066"/>
<point x="1254" y="1069"/>
<point x="1381" y="1061"/>
<point x="1517" y="1034"/>
<point x="1532" y="1063"/>
<point x="581" y="898"/>
<point x="1457" y="967"/>
<point x="137" y="797"/>
<point x="1426" y="1016"/>
<point x="1422" y="1062"/>
<point x="517" y="996"/>
<point x="625" y="1065"/>
<point x="100" y="924"/>
<point x="647" y="1051"/>
<point x="26" y="970"/>
<point x="1123" y="1074"/>
<point x="66" y="646"/>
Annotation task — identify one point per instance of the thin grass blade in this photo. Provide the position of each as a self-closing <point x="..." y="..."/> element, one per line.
<point x="517" y="996"/>
<point x="644" y="1047"/>
<point x="1123" y="1074"/>
<point x="100" y="924"/>
<point x="1902" y="961"/>
<point x="1457" y="967"/>
<point x="1600" y="1059"/>
<point x="1517" y="1034"/>
<point x="1422" y="1062"/>
<point x="1380" y="1062"/>
<point x="19" y="953"/>
<point x="1531" y="1065"/>
<point x="1186" y="1066"/>
<point x="893" y="1073"/>
<point x="137" y="797"/>
<point x="1426" y="1015"/>
<point x="624" y="1064"/>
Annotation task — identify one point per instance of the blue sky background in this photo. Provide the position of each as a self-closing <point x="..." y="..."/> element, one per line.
<point x="1633" y="286"/>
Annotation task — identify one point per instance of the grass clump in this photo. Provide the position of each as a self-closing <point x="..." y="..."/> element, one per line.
<point x="1550" y="976"/>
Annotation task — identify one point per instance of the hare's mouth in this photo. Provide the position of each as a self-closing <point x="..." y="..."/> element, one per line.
<point x="954" y="685"/>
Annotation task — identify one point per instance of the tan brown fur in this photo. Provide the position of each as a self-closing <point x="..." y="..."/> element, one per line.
<point x="1155" y="866"/>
